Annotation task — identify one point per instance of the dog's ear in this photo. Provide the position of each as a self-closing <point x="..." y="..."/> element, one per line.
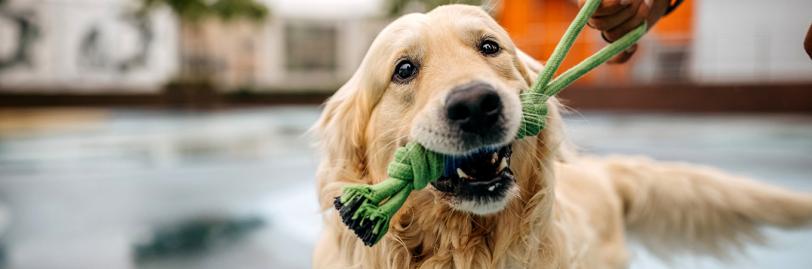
<point x="528" y="67"/>
<point x="341" y="126"/>
<point x="343" y="123"/>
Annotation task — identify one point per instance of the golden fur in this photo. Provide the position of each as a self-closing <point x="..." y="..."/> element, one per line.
<point x="570" y="211"/>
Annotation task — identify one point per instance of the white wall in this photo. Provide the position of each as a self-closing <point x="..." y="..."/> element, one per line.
<point x="751" y="41"/>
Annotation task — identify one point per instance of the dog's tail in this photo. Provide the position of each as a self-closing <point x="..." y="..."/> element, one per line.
<point x="677" y="208"/>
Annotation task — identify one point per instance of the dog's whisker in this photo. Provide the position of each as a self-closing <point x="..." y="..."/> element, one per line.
<point x="387" y="146"/>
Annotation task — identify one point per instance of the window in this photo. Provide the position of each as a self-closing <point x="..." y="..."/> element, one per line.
<point x="310" y="47"/>
<point x="672" y="64"/>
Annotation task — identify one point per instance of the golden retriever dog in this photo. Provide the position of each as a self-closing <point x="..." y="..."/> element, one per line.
<point x="450" y="79"/>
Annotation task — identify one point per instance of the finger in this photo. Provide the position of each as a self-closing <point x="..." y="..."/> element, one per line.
<point x="808" y="42"/>
<point x="604" y="23"/>
<point x="624" y="56"/>
<point x="629" y="25"/>
<point x="609" y="7"/>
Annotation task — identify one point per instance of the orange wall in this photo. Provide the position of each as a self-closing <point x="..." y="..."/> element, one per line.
<point x="679" y="22"/>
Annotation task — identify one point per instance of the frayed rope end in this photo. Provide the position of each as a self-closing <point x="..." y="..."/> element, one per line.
<point x="363" y="218"/>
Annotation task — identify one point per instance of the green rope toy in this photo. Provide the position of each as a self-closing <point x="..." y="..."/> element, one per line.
<point x="367" y="209"/>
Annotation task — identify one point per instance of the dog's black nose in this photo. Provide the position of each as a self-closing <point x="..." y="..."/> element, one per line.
<point x="474" y="107"/>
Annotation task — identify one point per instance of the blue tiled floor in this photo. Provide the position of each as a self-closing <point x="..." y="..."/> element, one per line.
<point x="82" y="191"/>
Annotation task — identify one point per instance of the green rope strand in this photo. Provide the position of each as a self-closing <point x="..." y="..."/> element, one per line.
<point x="563" y="46"/>
<point x="600" y="57"/>
<point x="368" y="209"/>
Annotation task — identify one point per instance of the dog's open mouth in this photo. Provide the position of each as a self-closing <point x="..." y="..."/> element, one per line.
<point x="482" y="176"/>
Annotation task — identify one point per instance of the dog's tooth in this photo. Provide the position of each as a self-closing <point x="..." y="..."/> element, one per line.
<point x="502" y="165"/>
<point x="462" y="174"/>
<point x="492" y="187"/>
<point x="494" y="158"/>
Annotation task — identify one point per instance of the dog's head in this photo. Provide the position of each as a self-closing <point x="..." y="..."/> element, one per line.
<point x="449" y="79"/>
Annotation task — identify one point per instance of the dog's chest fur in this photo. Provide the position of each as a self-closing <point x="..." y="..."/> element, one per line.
<point x="443" y="238"/>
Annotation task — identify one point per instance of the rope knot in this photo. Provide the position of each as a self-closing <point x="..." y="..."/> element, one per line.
<point x="414" y="164"/>
<point x="534" y="117"/>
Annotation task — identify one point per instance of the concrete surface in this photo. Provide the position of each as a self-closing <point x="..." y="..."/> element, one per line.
<point x="83" y="187"/>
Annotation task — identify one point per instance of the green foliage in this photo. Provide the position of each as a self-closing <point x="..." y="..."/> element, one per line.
<point x="397" y="7"/>
<point x="194" y="10"/>
<point x="231" y="9"/>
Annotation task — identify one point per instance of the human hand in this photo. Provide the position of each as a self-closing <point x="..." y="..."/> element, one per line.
<point x="615" y="18"/>
<point x="808" y="42"/>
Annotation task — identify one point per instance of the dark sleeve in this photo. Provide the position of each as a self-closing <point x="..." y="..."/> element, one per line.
<point x="673" y="6"/>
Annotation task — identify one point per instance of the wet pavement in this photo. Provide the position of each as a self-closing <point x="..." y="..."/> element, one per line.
<point x="98" y="189"/>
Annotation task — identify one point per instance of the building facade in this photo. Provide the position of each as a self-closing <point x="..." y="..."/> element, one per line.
<point x="101" y="46"/>
<point x="92" y="46"/>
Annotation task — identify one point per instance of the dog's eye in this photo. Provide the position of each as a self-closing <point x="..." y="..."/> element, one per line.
<point x="488" y="48"/>
<point x="405" y="70"/>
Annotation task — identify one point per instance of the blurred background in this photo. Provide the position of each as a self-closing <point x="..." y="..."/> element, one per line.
<point x="171" y="133"/>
